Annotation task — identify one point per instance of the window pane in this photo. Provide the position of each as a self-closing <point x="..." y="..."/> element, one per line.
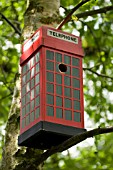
<point x="76" y="116"/>
<point x="28" y="65"/>
<point x="37" y="79"/>
<point x="68" y="115"/>
<point x="32" y="93"/>
<point x="23" y="80"/>
<point x="28" y="76"/>
<point x="76" y="94"/>
<point x="32" y="61"/>
<point x="50" y="55"/>
<point x="37" y="90"/>
<point x="67" y="92"/>
<point x="37" y="57"/>
<point x="58" y="57"/>
<point x="28" y="86"/>
<point x="37" y="68"/>
<point x="67" y="81"/>
<point x="67" y="59"/>
<point x="68" y="70"/>
<point x="32" y="83"/>
<point x="28" y="97"/>
<point x="24" y="69"/>
<point x="76" y="105"/>
<point x="76" y="83"/>
<point x="37" y="113"/>
<point x="59" y="90"/>
<point x="23" y="101"/>
<point x="59" y="113"/>
<point x="50" y="99"/>
<point x="32" y="72"/>
<point x="27" y="108"/>
<point x="50" y="65"/>
<point x="37" y="101"/>
<point x="75" y="72"/>
<point x="23" y="111"/>
<point x="75" y="62"/>
<point x="67" y="103"/>
<point x="27" y="120"/>
<point x="58" y="101"/>
<point x="23" y="123"/>
<point x="50" y="111"/>
<point x="32" y="105"/>
<point x="23" y="90"/>
<point x="58" y="79"/>
<point x="50" y="77"/>
<point x="32" y="117"/>
<point x="50" y="88"/>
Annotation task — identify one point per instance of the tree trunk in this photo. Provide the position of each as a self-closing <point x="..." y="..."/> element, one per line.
<point x="38" y="13"/>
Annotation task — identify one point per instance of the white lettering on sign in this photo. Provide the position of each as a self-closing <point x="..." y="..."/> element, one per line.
<point x="62" y="36"/>
<point x="30" y="42"/>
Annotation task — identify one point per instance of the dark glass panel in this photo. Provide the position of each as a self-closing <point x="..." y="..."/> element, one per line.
<point x="27" y="119"/>
<point x="59" y="113"/>
<point x="76" y="83"/>
<point x="76" y="94"/>
<point x="50" y="111"/>
<point x="23" y="112"/>
<point x="67" y="81"/>
<point x="37" y="113"/>
<point x="67" y="59"/>
<point x="28" y="97"/>
<point x="67" y="92"/>
<point x="50" y="77"/>
<point x="58" y="79"/>
<point x="76" y="105"/>
<point x="68" y="115"/>
<point x="76" y="116"/>
<point x="75" y="61"/>
<point x="59" y="90"/>
<point x="23" y="101"/>
<point x="32" y="117"/>
<point x="50" y="88"/>
<point x="75" y="72"/>
<point x="50" y="99"/>
<point x="37" y="90"/>
<point x="27" y="108"/>
<point x="23" y="90"/>
<point x="58" y="101"/>
<point x="67" y="103"/>
<point x="50" y="55"/>
<point x="32" y="83"/>
<point x="58" y="57"/>
<point x="50" y="65"/>
<point x="32" y="94"/>
<point x="32" y="105"/>
<point x="23" y="123"/>
<point x="37" y="57"/>
<point x="37" y="101"/>
<point x="37" y="68"/>
<point x="32" y="72"/>
<point x="28" y="76"/>
<point x="37" y="79"/>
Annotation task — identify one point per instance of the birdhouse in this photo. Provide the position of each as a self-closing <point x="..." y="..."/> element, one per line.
<point x="52" y="108"/>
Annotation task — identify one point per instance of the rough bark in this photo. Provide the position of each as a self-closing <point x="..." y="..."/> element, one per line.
<point x="39" y="12"/>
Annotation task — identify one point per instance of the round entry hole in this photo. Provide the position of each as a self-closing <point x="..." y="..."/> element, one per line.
<point x="62" y="68"/>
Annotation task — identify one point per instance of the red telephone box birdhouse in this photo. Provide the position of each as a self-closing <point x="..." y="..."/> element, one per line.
<point x="52" y="108"/>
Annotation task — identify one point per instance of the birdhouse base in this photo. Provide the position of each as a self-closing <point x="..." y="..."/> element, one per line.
<point x="44" y="135"/>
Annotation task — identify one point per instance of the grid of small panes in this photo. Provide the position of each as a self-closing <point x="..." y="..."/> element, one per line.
<point x="63" y="89"/>
<point x="30" y="99"/>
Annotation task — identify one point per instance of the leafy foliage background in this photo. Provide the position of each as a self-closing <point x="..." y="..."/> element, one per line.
<point x="96" y="32"/>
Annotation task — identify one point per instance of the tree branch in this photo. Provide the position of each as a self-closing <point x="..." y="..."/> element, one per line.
<point x="16" y="29"/>
<point x="66" y="19"/>
<point x="100" y="75"/>
<point x="94" y="12"/>
<point x="73" y="141"/>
